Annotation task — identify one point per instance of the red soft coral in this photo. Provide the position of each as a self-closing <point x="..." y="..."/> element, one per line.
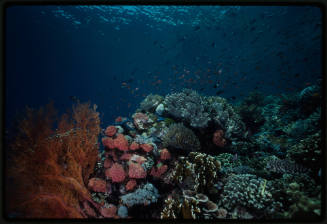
<point x="108" y="142"/>
<point x="147" y="147"/>
<point x="110" y="131"/>
<point x="126" y="156"/>
<point x="116" y="173"/>
<point x="157" y="172"/>
<point x="131" y="184"/>
<point x="97" y="185"/>
<point x="121" y="142"/>
<point x="109" y="212"/>
<point x="136" y="171"/>
<point x="134" y="146"/>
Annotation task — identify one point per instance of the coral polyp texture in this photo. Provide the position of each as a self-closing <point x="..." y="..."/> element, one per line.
<point x="180" y="137"/>
<point x="182" y="156"/>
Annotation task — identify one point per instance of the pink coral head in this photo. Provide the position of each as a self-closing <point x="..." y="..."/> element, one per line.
<point x="159" y="170"/>
<point x="131" y="184"/>
<point x="109" y="212"/>
<point x="136" y="171"/>
<point x="110" y="131"/>
<point x="121" y="143"/>
<point x="108" y="142"/>
<point x="147" y="147"/>
<point x="116" y="173"/>
<point x="134" y="146"/>
<point x="218" y="138"/>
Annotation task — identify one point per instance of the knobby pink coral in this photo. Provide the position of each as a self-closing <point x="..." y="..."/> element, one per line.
<point x="116" y="173"/>
<point x="121" y="142"/>
<point x="110" y="131"/>
<point x="136" y="171"/>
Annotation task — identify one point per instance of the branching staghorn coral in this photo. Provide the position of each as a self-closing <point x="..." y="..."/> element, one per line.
<point x="49" y="168"/>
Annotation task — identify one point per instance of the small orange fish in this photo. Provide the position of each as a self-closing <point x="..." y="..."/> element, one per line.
<point x="308" y="83"/>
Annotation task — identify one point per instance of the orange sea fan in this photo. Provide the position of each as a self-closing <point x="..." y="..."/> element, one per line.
<point x="49" y="168"/>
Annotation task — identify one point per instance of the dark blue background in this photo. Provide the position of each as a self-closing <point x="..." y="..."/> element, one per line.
<point x="55" y="52"/>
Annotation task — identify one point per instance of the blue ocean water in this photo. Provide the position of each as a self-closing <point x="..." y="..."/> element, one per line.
<point x="114" y="56"/>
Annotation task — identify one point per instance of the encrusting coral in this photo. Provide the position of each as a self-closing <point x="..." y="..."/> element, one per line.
<point x="49" y="169"/>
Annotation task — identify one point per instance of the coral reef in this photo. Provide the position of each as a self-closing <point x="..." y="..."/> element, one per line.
<point x="187" y="106"/>
<point x="201" y="168"/>
<point x="251" y="111"/>
<point x="180" y="137"/>
<point x="183" y="156"/>
<point x="248" y="191"/>
<point x="226" y="117"/>
<point x="191" y="205"/>
<point x="151" y="102"/>
<point x="307" y="152"/>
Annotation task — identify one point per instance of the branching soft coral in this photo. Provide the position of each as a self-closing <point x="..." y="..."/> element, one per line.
<point x="49" y="168"/>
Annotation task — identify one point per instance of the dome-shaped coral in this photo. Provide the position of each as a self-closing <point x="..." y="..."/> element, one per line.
<point x="121" y="143"/>
<point x="180" y="137"/>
